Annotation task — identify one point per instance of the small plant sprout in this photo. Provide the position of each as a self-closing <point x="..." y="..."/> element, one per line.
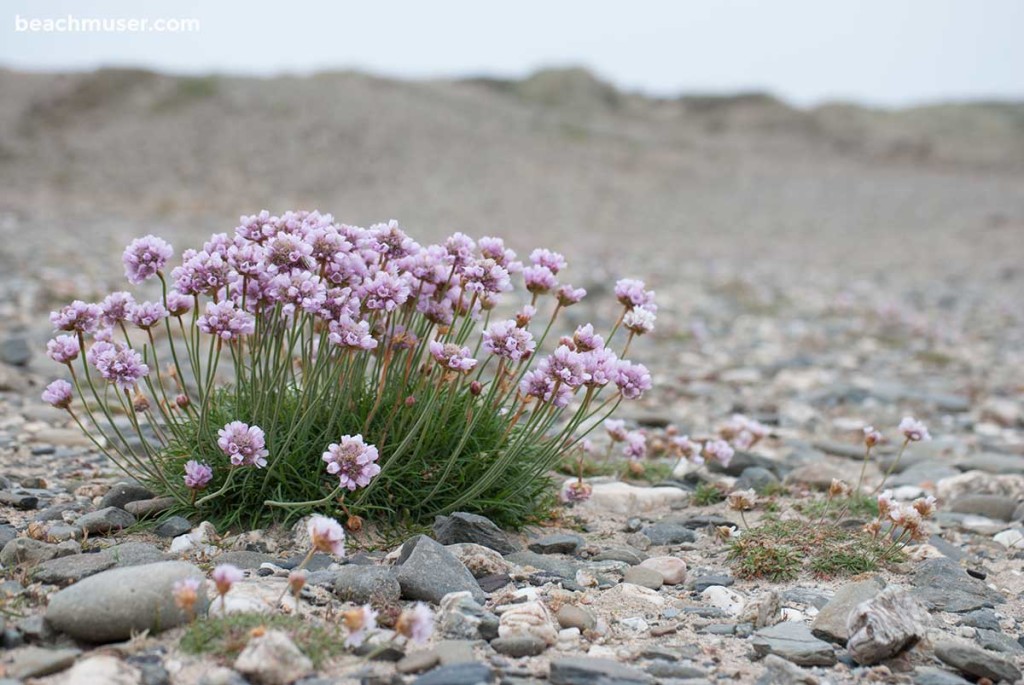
<point x="871" y="438"/>
<point x="186" y="595"/>
<point x="741" y="501"/>
<point x="300" y="364"/>
<point x="416" y="623"/>
<point x="224" y="577"/>
<point x="359" y="622"/>
<point x="836" y="489"/>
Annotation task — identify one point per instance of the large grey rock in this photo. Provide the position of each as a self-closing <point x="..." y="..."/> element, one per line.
<point x="173" y="527"/>
<point x="18" y="500"/>
<point x="886" y="625"/>
<point x="830" y="623"/>
<point x="583" y="670"/>
<point x="464" y="527"/>
<point x="122" y="493"/>
<point x="460" y="617"/>
<point x="365" y="584"/>
<point x="111" y="605"/>
<point x="427" y="571"/>
<point x="756" y="478"/>
<point x="29" y="552"/>
<point x="149" y="507"/>
<point x="102" y="521"/>
<point x="793" y="642"/>
<point x="924" y="675"/>
<point x="15" y="350"/>
<point x="944" y="585"/>
<point x="977" y="662"/>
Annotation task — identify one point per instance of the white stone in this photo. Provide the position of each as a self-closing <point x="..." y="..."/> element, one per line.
<point x="721" y="597"/>
<point x="1010" y="538"/>
<point x="254" y="596"/>
<point x="626" y="499"/>
<point x="529" y="619"/>
<point x="672" y="569"/>
<point x="635" y="623"/>
<point x="102" y="669"/>
<point x="273" y="659"/>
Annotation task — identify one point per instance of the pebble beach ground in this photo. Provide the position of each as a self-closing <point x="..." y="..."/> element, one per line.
<point x="811" y="287"/>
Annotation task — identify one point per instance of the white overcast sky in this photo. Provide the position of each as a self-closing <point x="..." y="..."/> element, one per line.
<point x="883" y="52"/>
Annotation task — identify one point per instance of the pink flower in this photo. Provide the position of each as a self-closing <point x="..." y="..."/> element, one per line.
<point x="871" y="436"/>
<point x="347" y="332"/>
<point x="224" y="576"/>
<point x="539" y="279"/>
<point x="576" y="491"/>
<point x="327" y="535"/>
<point x="245" y="445"/>
<point x="720" y="451"/>
<point x="639" y="320"/>
<point x="144" y="257"/>
<point x="359" y="622"/>
<point x="507" y="340"/>
<point x="353" y="461"/>
<point x="63" y="349"/>
<point x="616" y="429"/>
<point x="116" y="307"/>
<point x="635" y="447"/>
<point x="633" y="380"/>
<point x="913" y="429"/>
<point x="197" y="475"/>
<point x="552" y="261"/>
<point x="632" y="293"/>
<point x="226" y="321"/>
<point x="452" y="356"/>
<point x="58" y="394"/>
<point x="417" y="623"/>
<point x="78" y="316"/>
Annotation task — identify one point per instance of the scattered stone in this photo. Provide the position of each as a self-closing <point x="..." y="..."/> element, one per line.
<point x="999" y="642"/>
<point x="831" y="622"/>
<point x="1003" y="411"/>
<point x="778" y="671"/>
<point x="756" y="478"/>
<point x="426" y="570"/>
<point x="668" y="534"/>
<point x="15" y="350"/>
<point x="35" y="662"/>
<point x="944" y="585"/>
<point x="481" y="561"/>
<point x="455" y="651"/>
<point x="560" y="567"/>
<point x="102" y="521"/>
<point x="925" y="675"/>
<point x="111" y="605"/>
<point x="1010" y="539"/>
<point x="992" y="506"/>
<point x="364" y="584"/>
<point x="273" y="659"/>
<point x="529" y="619"/>
<point x="104" y="669"/>
<point x="981" y="618"/>
<point x="480" y="530"/>
<point x="18" y="501"/>
<point x="794" y="642"/>
<point x="626" y="555"/>
<point x="458" y="674"/>
<point x="519" y="646"/>
<point x="882" y="627"/>
<point x="626" y="499"/>
<point x="245" y="559"/>
<point x="122" y="493"/>
<point x="144" y="508"/>
<point x="729" y="601"/>
<point x="572" y="616"/>
<point x="29" y="552"/>
<point x="417" y="662"/>
<point x="644" y="577"/>
<point x="71" y="569"/>
<point x="173" y="527"/>
<point x="460" y="617"/>
<point x="594" y="671"/>
<point x="763" y="610"/>
<point x="703" y="582"/>
<point x="977" y="662"/>
<point x="559" y="543"/>
<point x="672" y="569"/>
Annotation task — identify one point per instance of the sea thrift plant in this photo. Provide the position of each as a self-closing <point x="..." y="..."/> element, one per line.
<point x="300" y="364"/>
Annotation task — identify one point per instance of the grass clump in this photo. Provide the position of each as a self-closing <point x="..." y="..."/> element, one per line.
<point x="782" y="550"/>
<point x="707" y="494"/>
<point x="304" y="365"/>
<point x="226" y="636"/>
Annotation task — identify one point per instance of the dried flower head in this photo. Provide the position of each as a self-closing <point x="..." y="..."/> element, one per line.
<point x="741" y="500"/>
<point x="576" y="491"/>
<point x="353" y="461"/>
<point x="297" y="580"/>
<point x="245" y="445"/>
<point x="925" y="506"/>
<point x="839" y="488"/>
<point x="327" y="535"/>
<point x="186" y="594"/>
<point x="886" y="504"/>
<point x="452" y="356"/>
<point x="871" y="436"/>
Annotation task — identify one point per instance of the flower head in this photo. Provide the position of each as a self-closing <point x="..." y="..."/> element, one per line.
<point x="684" y="448"/>
<point x="119" y="364"/>
<point x="925" y="506"/>
<point x="116" y="307"/>
<point x="539" y="279"/>
<point x="633" y="293"/>
<point x="839" y="488"/>
<point x="886" y="504"/>
<point x="568" y="295"/>
<point x="552" y="261"/>
<point x="416" y="624"/>
<point x="384" y="291"/>
<point x="871" y="436"/>
<point x="452" y="356"/>
<point x="58" y="394"/>
<point x="538" y="383"/>
<point x="913" y="429"/>
<point x="566" y="366"/>
<point x="245" y="445"/>
<point x="359" y="622"/>
<point x="616" y="429"/>
<point x="353" y="461"/>
<point x="148" y="314"/>
<point x="178" y="304"/>
<point x="144" y="257"/>
<point x="639" y="320"/>
<point x="224" y="576"/>
<point x="327" y="535"/>
<point x="635" y="446"/>
<point x="63" y="349"/>
<point x="741" y="500"/>
<point x="78" y="316"/>
<point x="297" y="580"/>
<point x="347" y="332"/>
<point x="576" y="491"/>
<point x="507" y="340"/>
<point x="633" y="380"/>
<point x="720" y="451"/>
<point x="197" y="474"/>
<point x="186" y="594"/>
<point x="226" y="321"/>
<point x="586" y="339"/>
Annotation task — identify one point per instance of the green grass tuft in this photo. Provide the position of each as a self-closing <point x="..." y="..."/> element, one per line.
<point x="227" y="636"/>
<point x="707" y="494"/>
